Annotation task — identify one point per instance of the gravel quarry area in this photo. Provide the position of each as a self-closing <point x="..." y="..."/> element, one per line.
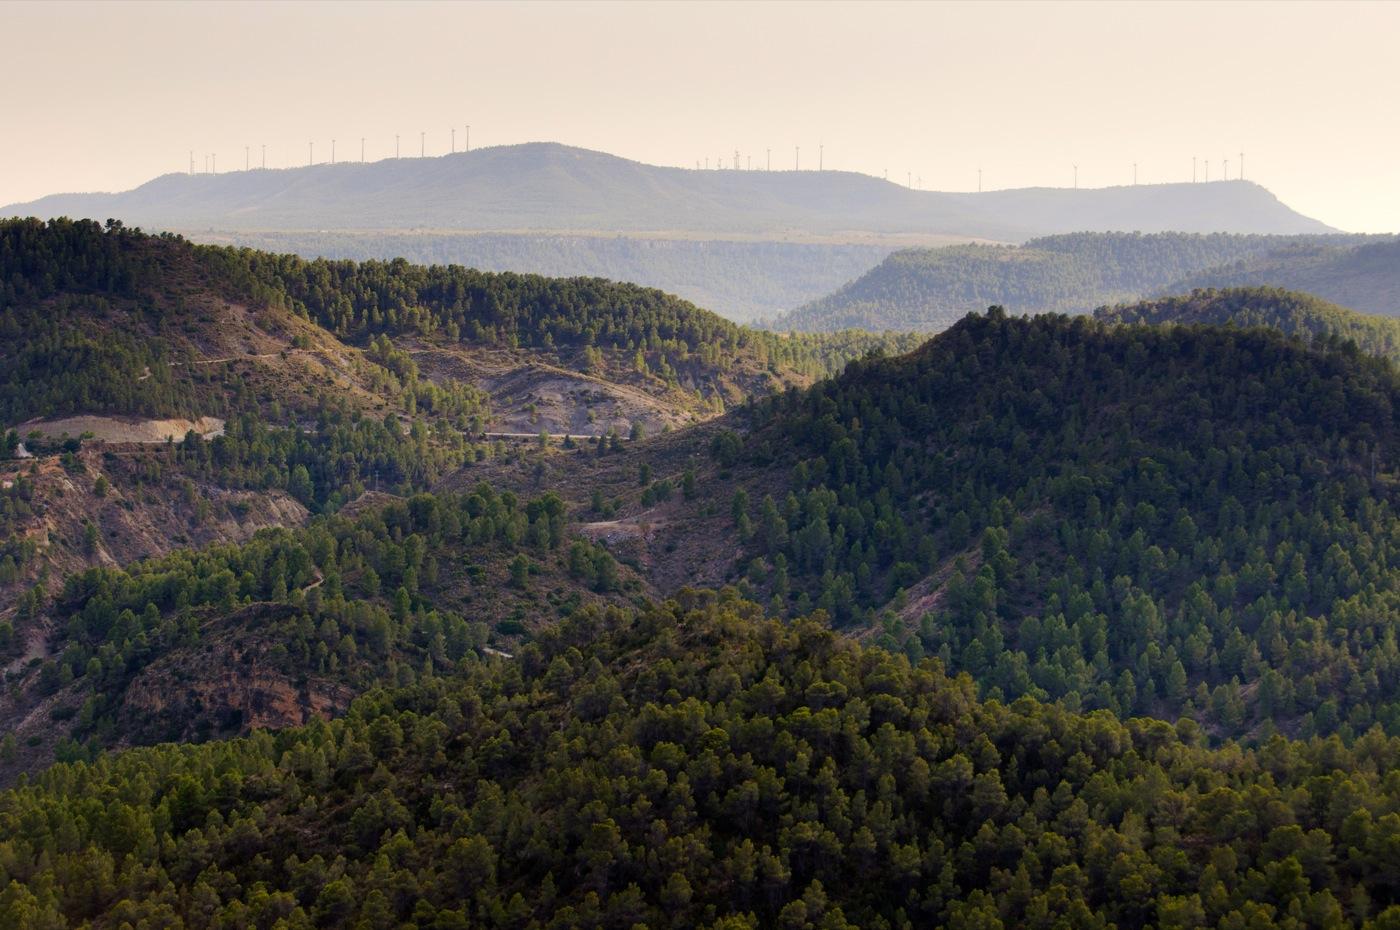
<point x="122" y="429"/>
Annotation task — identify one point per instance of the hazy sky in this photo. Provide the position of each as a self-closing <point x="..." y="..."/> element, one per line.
<point x="105" y="96"/>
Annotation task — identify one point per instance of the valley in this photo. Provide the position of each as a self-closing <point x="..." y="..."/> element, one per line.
<point x="711" y="467"/>
<point x="697" y="461"/>
<point x="177" y="396"/>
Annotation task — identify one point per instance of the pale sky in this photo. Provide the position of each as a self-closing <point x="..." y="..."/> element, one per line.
<point x="105" y="96"/>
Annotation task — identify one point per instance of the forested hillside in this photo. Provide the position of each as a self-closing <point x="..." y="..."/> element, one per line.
<point x="930" y="289"/>
<point x="306" y="378"/>
<point x="308" y="618"/>
<point x="1364" y="277"/>
<point x="1164" y="521"/>
<point x="692" y="765"/>
<point x="355" y="300"/>
<point x="108" y="320"/>
<point x="101" y="320"/>
<point x="1290" y="312"/>
<point x="1068" y="622"/>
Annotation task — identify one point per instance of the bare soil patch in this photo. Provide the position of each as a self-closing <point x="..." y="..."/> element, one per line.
<point x="122" y="429"/>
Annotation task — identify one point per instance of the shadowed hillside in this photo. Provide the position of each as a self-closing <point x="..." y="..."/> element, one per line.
<point x="1144" y="519"/>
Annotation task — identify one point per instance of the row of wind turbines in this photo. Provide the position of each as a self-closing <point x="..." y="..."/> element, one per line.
<point x="211" y="164"/>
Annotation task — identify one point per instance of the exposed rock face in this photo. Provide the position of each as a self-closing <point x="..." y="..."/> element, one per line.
<point x="234" y="687"/>
<point x="139" y="512"/>
<point x="228" y="682"/>
<point x="531" y="392"/>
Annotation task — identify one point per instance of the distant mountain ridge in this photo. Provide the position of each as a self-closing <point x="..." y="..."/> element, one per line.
<point x="1364" y="277"/>
<point x="546" y="186"/>
<point x="930" y="289"/>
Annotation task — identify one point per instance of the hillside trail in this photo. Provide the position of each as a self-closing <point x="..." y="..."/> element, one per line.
<point x="232" y="358"/>
<point x="558" y="437"/>
<point x="637" y="527"/>
<point x="288" y="351"/>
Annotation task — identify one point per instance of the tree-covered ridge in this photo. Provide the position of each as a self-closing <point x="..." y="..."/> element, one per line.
<point x="39" y="260"/>
<point x="692" y="765"/>
<point x="930" y="289"/>
<point x="678" y="339"/>
<point x="1165" y="521"/>
<point x="1137" y="262"/>
<point x="54" y="359"/>
<point x="1293" y="313"/>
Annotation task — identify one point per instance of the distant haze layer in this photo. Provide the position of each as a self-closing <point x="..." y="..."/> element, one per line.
<point x="742" y="279"/>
